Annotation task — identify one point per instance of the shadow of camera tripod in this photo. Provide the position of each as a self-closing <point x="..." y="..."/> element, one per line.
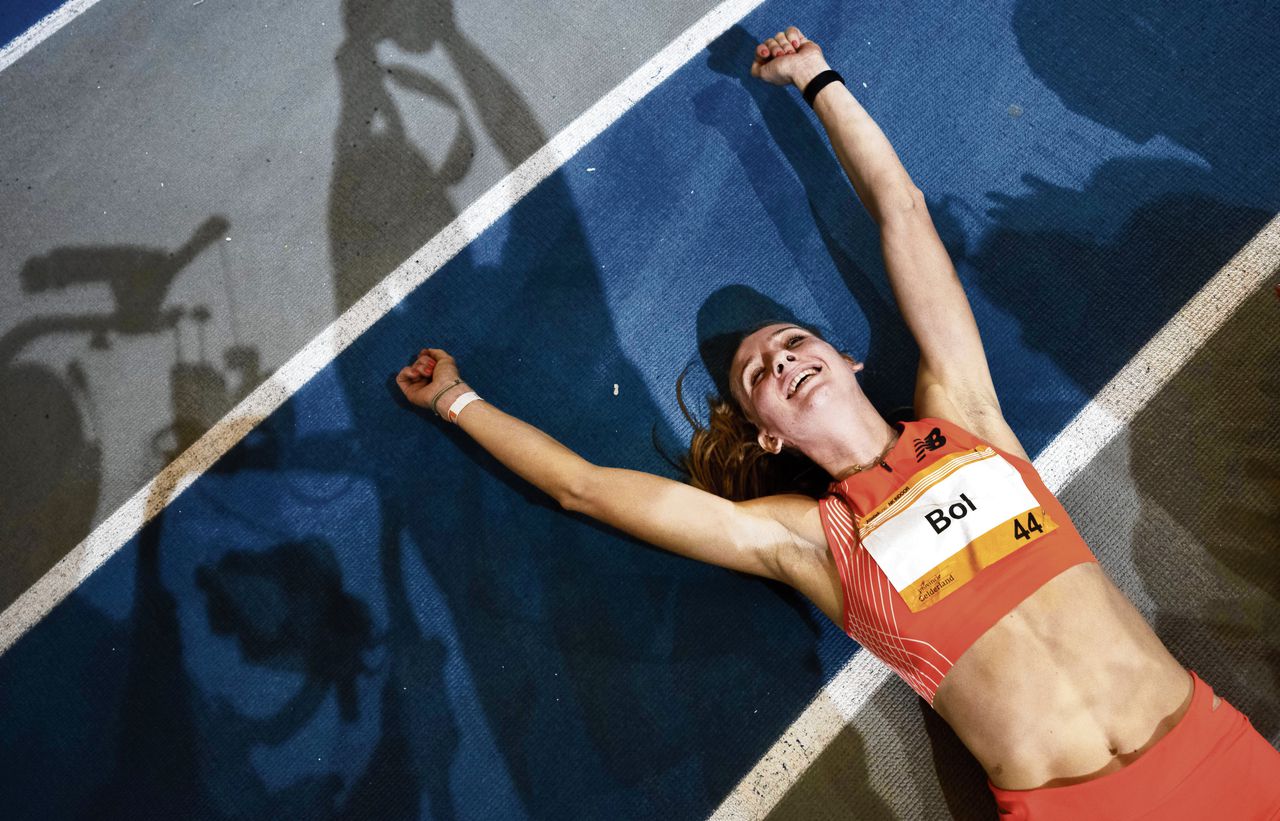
<point x="53" y="434"/>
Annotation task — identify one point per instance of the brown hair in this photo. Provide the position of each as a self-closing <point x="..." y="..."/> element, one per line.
<point x="725" y="458"/>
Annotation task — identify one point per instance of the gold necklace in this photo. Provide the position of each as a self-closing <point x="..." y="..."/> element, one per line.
<point x="879" y="460"/>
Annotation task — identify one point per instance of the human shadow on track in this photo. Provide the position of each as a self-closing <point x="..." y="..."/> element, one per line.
<point x="1142" y="236"/>
<point x="1203" y="78"/>
<point x="377" y="164"/>
<point x="167" y="726"/>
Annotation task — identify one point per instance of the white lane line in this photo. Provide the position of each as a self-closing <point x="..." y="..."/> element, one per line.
<point x="108" y="537"/>
<point x="38" y="33"/>
<point x="802" y="743"/>
<point x="1070" y="451"/>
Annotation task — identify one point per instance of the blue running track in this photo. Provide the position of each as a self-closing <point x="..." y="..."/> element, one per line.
<point x="16" y="16"/>
<point x="358" y="613"/>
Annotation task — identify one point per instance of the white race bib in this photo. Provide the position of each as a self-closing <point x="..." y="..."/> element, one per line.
<point x="959" y="515"/>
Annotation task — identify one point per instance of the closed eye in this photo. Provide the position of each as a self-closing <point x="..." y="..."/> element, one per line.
<point x="759" y="371"/>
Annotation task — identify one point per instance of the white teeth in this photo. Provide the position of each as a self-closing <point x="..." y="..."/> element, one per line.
<point x="795" y="380"/>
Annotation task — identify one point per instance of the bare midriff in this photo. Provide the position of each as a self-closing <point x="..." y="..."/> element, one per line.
<point x="1069" y="686"/>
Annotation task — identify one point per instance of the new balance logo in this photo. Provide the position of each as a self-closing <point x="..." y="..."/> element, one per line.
<point x="933" y="441"/>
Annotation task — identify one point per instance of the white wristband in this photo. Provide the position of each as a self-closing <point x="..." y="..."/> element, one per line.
<point x="460" y="403"/>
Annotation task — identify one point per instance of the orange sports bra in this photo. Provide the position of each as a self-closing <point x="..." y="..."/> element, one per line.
<point x="937" y="542"/>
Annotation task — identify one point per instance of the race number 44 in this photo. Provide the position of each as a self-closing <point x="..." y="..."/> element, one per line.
<point x="1023" y="526"/>
<point x="1021" y="531"/>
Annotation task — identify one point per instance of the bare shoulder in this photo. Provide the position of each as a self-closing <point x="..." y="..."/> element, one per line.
<point x="805" y="561"/>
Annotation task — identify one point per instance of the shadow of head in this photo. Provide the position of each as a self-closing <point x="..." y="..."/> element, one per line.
<point x="286" y="609"/>
<point x="412" y="25"/>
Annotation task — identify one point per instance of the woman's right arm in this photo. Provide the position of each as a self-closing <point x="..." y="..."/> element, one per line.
<point x="770" y="537"/>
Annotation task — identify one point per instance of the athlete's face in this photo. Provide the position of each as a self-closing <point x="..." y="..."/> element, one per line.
<point x="782" y="373"/>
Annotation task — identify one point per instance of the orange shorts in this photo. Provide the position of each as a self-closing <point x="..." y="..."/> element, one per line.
<point x="1213" y="764"/>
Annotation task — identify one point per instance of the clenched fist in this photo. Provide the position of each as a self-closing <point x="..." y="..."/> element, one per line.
<point x="430" y="372"/>
<point x="788" y="57"/>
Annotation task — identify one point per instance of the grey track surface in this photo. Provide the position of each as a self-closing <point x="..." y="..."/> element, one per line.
<point x="182" y="208"/>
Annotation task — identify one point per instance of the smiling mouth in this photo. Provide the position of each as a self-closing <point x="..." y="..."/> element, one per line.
<point x="808" y="373"/>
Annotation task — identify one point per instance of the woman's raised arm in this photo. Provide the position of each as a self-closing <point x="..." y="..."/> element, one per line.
<point x="954" y="381"/>
<point x="773" y="537"/>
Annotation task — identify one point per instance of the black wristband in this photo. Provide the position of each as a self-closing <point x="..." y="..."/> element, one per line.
<point x="820" y="82"/>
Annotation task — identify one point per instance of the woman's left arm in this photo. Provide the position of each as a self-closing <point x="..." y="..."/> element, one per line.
<point x="954" y="381"/>
<point x="924" y="281"/>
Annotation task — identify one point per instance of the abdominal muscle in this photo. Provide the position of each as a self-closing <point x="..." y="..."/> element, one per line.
<point x="1069" y="686"/>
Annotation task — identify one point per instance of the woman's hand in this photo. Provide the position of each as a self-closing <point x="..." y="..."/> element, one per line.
<point x="788" y="57"/>
<point x="431" y="371"/>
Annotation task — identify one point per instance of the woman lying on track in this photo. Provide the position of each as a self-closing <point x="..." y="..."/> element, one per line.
<point x="936" y="546"/>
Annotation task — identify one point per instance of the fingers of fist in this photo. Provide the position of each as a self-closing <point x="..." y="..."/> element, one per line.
<point x="781" y="44"/>
<point x="423" y="368"/>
